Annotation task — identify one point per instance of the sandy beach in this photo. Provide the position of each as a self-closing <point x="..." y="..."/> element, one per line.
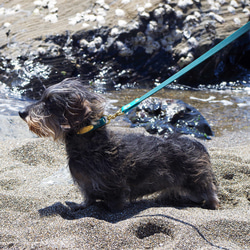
<point x="36" y="193"/>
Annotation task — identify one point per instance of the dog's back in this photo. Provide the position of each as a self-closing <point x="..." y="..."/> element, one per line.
<point x="177" y="165"/>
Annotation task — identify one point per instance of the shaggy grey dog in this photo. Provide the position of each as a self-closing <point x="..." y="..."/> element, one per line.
<point x="116" y="168"/>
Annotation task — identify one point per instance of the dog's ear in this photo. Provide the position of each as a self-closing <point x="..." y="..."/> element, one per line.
<point x="77" y="112"/>
<point x="86" y="108"/>
<point x="74" y="119"/>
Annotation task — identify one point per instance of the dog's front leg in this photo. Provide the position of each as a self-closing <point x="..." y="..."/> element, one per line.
<point x="88" y="200"/>
<point x="85" y="186"/>
<point x="76" y="206"/>
<point x="115" y="200"/>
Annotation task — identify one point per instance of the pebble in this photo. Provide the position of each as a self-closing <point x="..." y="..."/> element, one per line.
<point x="100" y="20"/>
<point x="215" y="7"/>
<point x="168" y="9"/>
<point x="177" y="34"/>
<point x="83" y="43"/>
<point x="6" y="25"/>
<point x="222" y="2"/>
<point x="89" y="18"/>
<point x="101" y="12"/>
<point x="148" y="5"/>
<point x="151" y="27"/>
<point x="187" y="33"/>
<point x="85" y="25"/>
<point x="184" y="51"/>
<point x="2" y="11"/>
<point x="36" y="11"/>
<point x="123" y="49"/>
<point x="183" y="4"/>
<point x="144" y="14"/>
<point x="122" y="23"/>
<point x="51" y="18"/>
<point x="197" y="14"/>
<point x="125" y="1"/>
<point x="91" y="47"/>
<point x="100" y="2"/>
<point x="234" y="4"/>
<point x="179" y="14"/>
<point x="218" y="18"/>
<point x="10" y="11"/>
<point x="119" y="12"/>
<point x="193" y="42"/>
<point x="183" y="61"/>
<point x="98" y="41"/>
<point x="246" y="11"/>
<point x="231" y="9"/>
<point x="159" y="12"/>
<point x="191" y="19"/>
<point x="237" y="21"/>
<point x="114" y="32"/>
<point x="140" y="9"/>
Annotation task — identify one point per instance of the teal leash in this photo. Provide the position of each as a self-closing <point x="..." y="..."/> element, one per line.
<point x="190" y="66"/>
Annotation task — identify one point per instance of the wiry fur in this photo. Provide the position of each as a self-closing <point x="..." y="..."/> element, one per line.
<point x="117" y="168"/>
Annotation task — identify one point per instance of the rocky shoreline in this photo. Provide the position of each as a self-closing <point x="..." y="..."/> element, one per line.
<point x="112" y="44"/>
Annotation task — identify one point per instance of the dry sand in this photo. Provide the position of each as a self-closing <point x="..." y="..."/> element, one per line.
<point x="35" y="186"/>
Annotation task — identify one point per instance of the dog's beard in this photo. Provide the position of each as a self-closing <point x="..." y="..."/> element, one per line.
<point x="43" y="126"/>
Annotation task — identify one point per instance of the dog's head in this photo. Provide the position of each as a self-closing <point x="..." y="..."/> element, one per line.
<point x="64" y="107"/>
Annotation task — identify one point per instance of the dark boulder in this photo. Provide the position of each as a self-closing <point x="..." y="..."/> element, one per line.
<point x="167" y="116"/>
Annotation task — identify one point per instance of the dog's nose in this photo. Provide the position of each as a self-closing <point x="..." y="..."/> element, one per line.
<point x="23" y="114"/>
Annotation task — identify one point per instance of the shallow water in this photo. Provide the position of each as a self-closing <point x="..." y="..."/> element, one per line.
<point x="225" y="110"/>
<point x="11" y="101"/>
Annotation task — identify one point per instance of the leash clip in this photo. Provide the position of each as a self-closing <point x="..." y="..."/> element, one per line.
<point x="110" y="117"/>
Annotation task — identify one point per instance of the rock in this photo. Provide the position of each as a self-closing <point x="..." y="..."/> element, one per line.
<point x="167" y="116"/>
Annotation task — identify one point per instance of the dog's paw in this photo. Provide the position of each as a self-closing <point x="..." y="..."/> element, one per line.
<point x="75" y="206"/>
<point x="114" y="206"/>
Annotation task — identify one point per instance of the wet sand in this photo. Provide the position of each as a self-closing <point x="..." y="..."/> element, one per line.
<point x="25" y="24"/>
<point x="27" y="21"/>
<point x="36" y="192"/>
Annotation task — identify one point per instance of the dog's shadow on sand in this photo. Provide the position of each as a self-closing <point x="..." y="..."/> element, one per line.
<point x="71" y="211"/>
<point x="99" y="211"/>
